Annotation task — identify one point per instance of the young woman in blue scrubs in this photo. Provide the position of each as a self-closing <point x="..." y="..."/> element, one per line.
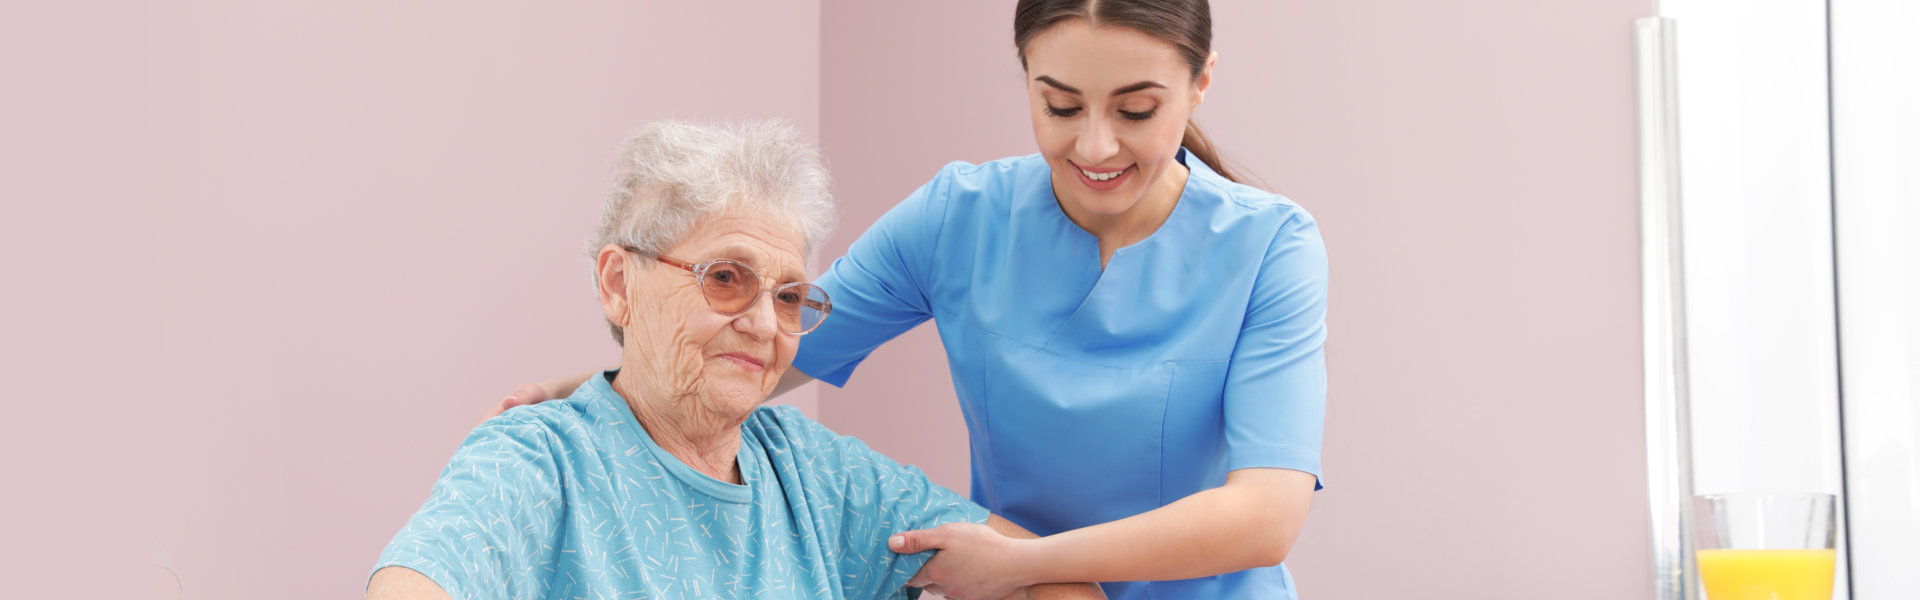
<point x="1136" y="338"/>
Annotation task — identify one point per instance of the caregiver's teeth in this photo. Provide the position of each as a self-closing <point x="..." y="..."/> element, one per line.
<point x="1100" y="176"/>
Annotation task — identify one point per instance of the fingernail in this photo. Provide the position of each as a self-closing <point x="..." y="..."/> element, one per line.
<point x="897" y="541"/>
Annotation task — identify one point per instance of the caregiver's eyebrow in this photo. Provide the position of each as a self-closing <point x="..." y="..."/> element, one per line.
<point x="1144" y="85"/>
<point x="1056" y="84"/>
<point x="1127" y="89"/>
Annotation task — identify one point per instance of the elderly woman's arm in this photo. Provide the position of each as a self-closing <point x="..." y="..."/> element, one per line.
<point x="401" y="583"/>
<point x="535" y="393"/>
<point x="504" y="471"/>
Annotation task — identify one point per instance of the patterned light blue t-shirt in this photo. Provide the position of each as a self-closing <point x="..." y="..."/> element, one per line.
<point x="572" y="499"/>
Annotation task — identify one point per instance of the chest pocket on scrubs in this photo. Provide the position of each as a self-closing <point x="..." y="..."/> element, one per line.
<point x="1074" y="444"/>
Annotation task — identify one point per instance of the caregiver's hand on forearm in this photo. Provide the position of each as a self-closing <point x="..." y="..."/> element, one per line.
<point x="955" y="575"/>
<point x="973" y="561"/>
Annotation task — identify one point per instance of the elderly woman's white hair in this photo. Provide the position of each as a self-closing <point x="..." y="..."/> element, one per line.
<point x="669" y="174"/>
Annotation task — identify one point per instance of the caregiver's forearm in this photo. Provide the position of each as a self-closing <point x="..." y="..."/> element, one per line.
<point x="1249" y="522"/>
<point x="1065" y="591"/>
<point x="1044" y="591"/>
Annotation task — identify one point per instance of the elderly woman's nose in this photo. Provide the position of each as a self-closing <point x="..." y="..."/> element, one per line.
<point x="759" y="319"/>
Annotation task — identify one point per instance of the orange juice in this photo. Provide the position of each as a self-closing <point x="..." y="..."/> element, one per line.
<point x="1767" y="574"/>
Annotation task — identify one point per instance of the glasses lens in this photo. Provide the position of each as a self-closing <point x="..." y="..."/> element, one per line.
<point x="729" y="286"/>
<point x="802" y="307"/>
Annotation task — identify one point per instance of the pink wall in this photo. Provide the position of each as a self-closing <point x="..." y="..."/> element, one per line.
<point x="1472" y="168"/>
<point x="77" y="318"/>
<point x="375" y="213"/>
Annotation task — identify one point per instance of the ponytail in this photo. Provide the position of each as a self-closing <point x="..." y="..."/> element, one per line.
<point x="1202" y="148"/>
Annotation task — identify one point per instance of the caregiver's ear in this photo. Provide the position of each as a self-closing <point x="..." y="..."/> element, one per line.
<point x="615" y="271"/>
<point x="1205" y="80"/>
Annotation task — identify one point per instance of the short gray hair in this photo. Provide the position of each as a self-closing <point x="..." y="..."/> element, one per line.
<point x="669" y="174"/>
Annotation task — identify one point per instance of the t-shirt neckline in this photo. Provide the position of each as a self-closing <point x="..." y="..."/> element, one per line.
<point x="740" y="493"/>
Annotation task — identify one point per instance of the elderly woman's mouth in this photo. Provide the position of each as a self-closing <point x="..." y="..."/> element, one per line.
<point x="744" y="361"/>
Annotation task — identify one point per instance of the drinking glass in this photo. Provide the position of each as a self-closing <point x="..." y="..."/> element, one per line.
<point x="1765" y="546"/>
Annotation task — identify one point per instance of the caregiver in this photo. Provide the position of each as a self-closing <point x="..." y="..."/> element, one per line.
<point x="1135" y="338"/>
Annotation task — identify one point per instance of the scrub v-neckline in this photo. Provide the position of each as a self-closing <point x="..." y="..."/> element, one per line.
<point x="1087" y="237"/>
<point x="1104" y="274"/>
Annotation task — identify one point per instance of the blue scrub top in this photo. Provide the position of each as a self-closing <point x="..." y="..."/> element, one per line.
<point x="1093" y="395"/>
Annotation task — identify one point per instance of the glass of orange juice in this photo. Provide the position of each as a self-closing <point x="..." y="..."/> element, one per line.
<point x="1764" y="546"/>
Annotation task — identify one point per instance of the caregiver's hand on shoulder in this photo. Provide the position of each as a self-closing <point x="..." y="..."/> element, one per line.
<point x="529" y="394"/>
<point x="526" y="394"/>
<point x="973" y="561"/>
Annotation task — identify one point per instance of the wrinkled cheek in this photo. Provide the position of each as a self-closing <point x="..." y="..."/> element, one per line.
<point x="670" y="366"/>
<point x="687" y="361"/>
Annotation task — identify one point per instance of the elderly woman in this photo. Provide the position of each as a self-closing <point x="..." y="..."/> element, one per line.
<point x="665" y="478"/>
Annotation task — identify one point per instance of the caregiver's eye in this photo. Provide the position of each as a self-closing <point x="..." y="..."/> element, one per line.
<point x="1139" y="116"/>
<point x="1062" y="112"/>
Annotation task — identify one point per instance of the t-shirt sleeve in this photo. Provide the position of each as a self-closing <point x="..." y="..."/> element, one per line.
<point x="879" y="288"/>
<point x="493" y="519"/>
<point x="878" y="498"/>
<point x="1276" y="389"/>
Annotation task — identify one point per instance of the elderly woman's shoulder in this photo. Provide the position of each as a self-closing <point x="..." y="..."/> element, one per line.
<point x="782" y="417"/>
<point x="789" y="424"/>
<point x="786" y="426"/>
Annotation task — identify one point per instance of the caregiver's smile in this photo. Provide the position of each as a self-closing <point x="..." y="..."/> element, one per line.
<point x="1104" y="179"/>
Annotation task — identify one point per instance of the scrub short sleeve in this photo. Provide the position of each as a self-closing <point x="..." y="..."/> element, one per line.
<point x="493" y="518"/>
<point x="878" y="498"/>
<point x="1276" y="389"/>
<point x="879" y="288"/>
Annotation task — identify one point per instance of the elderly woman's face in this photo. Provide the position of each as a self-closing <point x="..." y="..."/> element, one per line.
<point x="702" y="360"/>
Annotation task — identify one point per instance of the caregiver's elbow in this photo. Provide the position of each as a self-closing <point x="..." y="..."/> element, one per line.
<point x="1273" y="504"/>
<point x="1254" y="536"/>
<point x="1272" y="551"/>
<point x="1269" y="539"/>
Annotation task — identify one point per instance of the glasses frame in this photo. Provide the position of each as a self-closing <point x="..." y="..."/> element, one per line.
<point x="699" y="271"/>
